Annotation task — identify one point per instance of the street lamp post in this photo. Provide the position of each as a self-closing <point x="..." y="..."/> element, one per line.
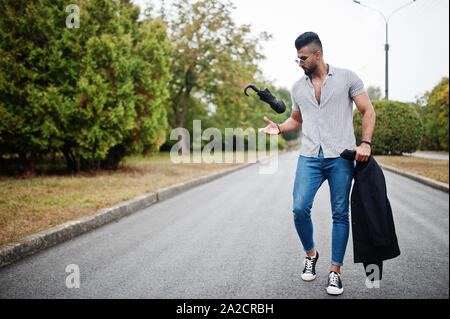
<point x="386" y="46"/>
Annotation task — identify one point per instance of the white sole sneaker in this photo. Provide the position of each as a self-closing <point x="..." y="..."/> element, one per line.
<point x="308" y="277"/>
<point x="310" y="274"/>
<point x="335" y="291"/>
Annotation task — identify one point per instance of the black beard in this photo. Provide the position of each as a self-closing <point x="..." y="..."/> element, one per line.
<point x="310" y="71"/>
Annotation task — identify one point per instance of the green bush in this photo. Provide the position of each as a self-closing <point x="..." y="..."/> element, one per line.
<point x="398" y="128"/>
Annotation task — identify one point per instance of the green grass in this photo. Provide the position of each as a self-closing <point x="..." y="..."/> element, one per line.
<point x="431" y="168"/>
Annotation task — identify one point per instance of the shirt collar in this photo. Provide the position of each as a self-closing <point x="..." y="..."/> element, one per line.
<point x="330" y="69"/>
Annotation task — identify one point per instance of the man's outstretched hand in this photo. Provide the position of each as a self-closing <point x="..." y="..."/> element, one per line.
<point x="271" y="129"/>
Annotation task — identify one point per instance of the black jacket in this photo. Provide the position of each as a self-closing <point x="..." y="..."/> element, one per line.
<point x="373" y="231"/>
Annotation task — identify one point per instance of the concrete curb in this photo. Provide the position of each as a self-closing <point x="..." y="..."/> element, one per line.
<point x="421" y="179"/>
<point x="32" y="244"/>
<point x="47" y="238"/>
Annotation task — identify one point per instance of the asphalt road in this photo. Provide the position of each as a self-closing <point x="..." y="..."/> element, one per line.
<point x="428" y="155"/>
<point x="235" y="238"/>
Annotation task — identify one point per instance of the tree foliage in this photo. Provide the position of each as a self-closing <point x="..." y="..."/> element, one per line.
<point x="94" y="93"/>
<point x="433" y="108"/>
<point x="374" y="92"/>
<point x="214" y="59"/>
<point x="398" y="128"/>
<point x="285" y="95"/>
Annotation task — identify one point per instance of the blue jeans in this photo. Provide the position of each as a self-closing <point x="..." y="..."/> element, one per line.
<point x="311" y="173"/>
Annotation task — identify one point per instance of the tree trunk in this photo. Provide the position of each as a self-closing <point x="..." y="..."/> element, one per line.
<point x="184" y="107"/>
<point x="32" y="164"/>
<point x="23" y="160"/>
<point x="28" y="163"/>
<point x="173" y="121"/>
<point x="187" y="94"/>
<point x="115" y="155"/>
<point x="70" y="160"/>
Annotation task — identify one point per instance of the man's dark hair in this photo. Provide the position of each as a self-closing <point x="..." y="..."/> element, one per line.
<point x="308" y="38"/>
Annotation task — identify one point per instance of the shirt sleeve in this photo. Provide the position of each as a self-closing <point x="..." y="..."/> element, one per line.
<point x="295" y="106"/>
<point x="356" y="85"/>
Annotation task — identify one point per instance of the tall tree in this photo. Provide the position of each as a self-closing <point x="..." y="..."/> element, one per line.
<point x="434" y="112"/>
<point x="214" y="58"/>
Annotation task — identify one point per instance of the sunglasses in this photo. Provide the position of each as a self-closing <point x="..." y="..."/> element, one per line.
<point x="302" y="60"/>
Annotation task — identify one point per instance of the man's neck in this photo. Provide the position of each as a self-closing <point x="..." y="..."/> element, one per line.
<point x="321" y="71"/>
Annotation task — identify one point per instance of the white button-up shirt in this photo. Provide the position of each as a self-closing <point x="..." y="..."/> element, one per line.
<point x="329" y="124"/>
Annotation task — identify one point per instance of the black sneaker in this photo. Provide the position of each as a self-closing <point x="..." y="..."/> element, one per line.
<point x="334" y="286"/>
<point x="309" y="272"/>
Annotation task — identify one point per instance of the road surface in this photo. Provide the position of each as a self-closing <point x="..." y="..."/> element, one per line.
<point x="428" y="155"/>
<point x="235" y="238"/>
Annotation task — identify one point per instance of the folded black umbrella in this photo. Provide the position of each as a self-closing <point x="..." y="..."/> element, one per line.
<point x="265" y="95"/>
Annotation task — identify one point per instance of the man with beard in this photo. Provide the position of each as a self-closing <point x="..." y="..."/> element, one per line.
<point x="322" y="105"/>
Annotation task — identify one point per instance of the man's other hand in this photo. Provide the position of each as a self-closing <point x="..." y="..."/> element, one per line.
<point x="362" y="152"/>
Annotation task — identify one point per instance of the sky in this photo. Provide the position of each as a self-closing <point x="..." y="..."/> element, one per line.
<point x="353" y="37"/>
